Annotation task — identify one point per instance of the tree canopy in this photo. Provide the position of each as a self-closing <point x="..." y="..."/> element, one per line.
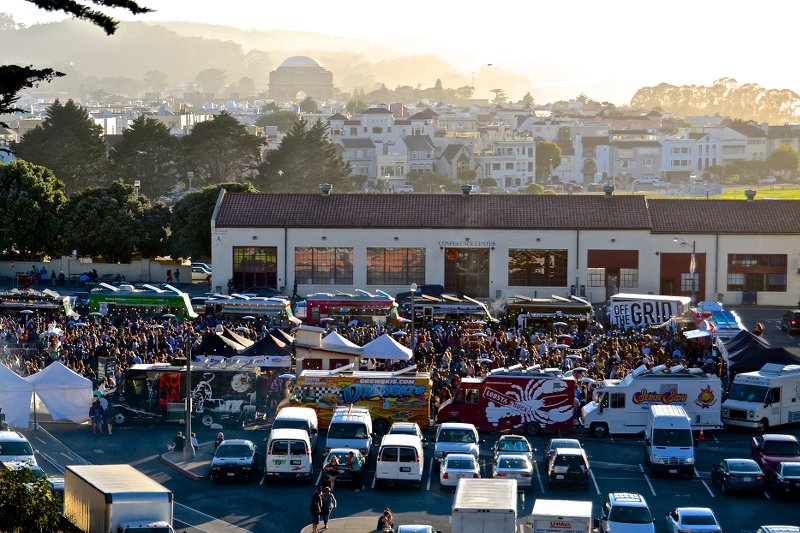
<point x="27" y="503"/>
<point x="548" y="157"/>
<point x="784" y="158"/>
<point x="284" y="120"/>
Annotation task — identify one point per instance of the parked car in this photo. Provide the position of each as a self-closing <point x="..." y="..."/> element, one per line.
<point x="628" y="512"/>
<point x="784" y="479"/>
<point x="771" y="449"/>
<point x="204" y="265"/>
<point x="301" y="309"/>
<point x="732" y="475"/>
<point x="458" y="465"/>
<point x="344" y="473"/>
<point x="790" y="322"/>
<point x="262" y="291"/>
<point x="200" y="274"/>
<point x="769" y="180"/>
<point x="559" y="443"/>
<point x="568" y="466"/>
<point x="513" y="445"/>
<point x="406" y="428"/>
<point x="691" y="520"/>
<point x="234" y="458"/>
<point x="514" y="466"/>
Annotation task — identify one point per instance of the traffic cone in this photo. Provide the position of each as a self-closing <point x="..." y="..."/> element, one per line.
<point x="702" y="435"/>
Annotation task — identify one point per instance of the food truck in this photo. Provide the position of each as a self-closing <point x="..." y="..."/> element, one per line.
<point x="446" y="308"/>
<point x="364" y="307"/>
<point x="622" y="405"/>
<point x="277" y="311"/>
<point x="512" y="399"/>
<point x="538" y="313"/>
<point x="764" y="398"/>
<point x="107" y="300"/>
<point x="626" y="311"/>
<point x="401" y="396"/>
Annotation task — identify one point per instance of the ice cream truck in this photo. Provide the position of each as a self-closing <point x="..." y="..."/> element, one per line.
<point x="621" y="405"/>
<point x="764" y="398"/>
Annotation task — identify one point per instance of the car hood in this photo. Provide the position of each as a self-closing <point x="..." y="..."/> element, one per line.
<point x="617" y="527"/>
<point x="457" y="447"/>
<point x="220" y="461"/>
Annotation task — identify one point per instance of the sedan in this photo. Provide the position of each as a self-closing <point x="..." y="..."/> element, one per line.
<point x="691" y="520"/>
<point x="513" y="445"/>
<point x="784" y="479"/>
<point x="771" y="449"/>
<point x="234" y="458"/>
<point x="344" y="472"/>
<point x="514" y="467"/>
<point x="559" y="443"/>
<point x="737" y="475"/>
<point x="458" y="465"/>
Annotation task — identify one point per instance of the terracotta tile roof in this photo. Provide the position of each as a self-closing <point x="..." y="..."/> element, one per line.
<point x="337" y="116"/>
<point x="413" y="211"/>
<point x="376" y="111"/>
<point x="358" y="142"/>
<point x="635" y="144"/>
<point x="725" y="216"/>
<point x="748" y="130"/>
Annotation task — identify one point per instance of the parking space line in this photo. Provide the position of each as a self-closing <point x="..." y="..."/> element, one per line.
<point x="372" y="486"/>
<point x="264" y="477"/>
<point x="319" y="479"/>
<point x="767" y="495"/>
<point x="430" y="475"/>
<point x="697" y="475"/>
<point x="648" y="481"/>
<point x="538" y="477"/>
<point x="596" y="486"/>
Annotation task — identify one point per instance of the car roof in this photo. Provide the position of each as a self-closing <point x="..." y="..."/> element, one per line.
<point x="11" y="435"/>
<point x="627" y="498"/>
<point x="511" y="456"/>
<point x="457" y="425"/>
<point x="695" y="511"/>
<point x="237" y="441"/>
<point x="288" y="433"/>
<point x="459" y="456"/>
<point x="775" y="437"/>
<point x="569" y="451"/>
<point x="564" y="441"/>
<point x="512" y="437"/>
<point x="790" y="463"/>
<point x="404" y="425"/>
<point x="343" y="450"/>
<point x="401" y="439"/>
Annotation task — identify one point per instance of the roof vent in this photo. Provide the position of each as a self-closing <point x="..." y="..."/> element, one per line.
<point x="325" y="189"/>
<point x="750" y="194"/>
<point x="608" y="190"/>
<point x="466" y="188"/>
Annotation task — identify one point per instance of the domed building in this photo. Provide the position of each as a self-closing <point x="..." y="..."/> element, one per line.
<point x="300" y="74"/>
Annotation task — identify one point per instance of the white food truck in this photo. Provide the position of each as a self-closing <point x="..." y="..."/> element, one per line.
<point x="764" y="398"/>
<point x="626" y="310"/>
<point x="622" y="405"/>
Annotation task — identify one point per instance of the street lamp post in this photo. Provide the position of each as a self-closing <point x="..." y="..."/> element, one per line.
<point x="692" y="262"/>
<point x="136" y="185"/>
<point x="413" y="318"/>
<point x="190" y="177"/>
<point x="188" y="449"/>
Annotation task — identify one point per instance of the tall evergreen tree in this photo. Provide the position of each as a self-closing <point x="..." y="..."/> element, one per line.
<point x="69" y="144"/>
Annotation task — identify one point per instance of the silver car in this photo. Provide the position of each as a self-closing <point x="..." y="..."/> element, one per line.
<point x="514" y="467"/>
<point x="691" y="520"/>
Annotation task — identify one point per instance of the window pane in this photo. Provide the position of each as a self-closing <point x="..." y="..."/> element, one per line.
<point x="629" y="277"/>
<point x="735" y="282"/>
<point x="537" y="268"/>
<point x="324" y="266"/>
<point x="395" y="266"/>
<point x="596" y="277"/>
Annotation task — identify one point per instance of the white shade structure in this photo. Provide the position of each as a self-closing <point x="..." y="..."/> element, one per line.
<point x="66" y="394"/>
<point x="334" y="339"/>
<point x="15" y="397"/>
<point x="385" y="347"/>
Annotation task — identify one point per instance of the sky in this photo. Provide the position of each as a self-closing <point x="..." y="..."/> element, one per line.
<point x="605" y="49"/>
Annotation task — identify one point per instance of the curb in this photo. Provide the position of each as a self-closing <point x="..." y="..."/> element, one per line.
<point x="185" y="471"/>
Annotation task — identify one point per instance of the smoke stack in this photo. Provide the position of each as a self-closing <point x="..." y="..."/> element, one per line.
<point x="608" y="190"/>
<point x="325" y="189"/>
<point x="466" y="189"/>
<point x="750" y="194"/>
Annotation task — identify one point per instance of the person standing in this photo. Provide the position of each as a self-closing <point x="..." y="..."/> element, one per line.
<point x="96" y="414"/>
<point x="108" y="417"/>
<point x="328" y="505"/>
<point x="316" y="508"/>
<point x="354" y="461"/>
<point x="177" y="276"/>
<point x="169" y="275"/>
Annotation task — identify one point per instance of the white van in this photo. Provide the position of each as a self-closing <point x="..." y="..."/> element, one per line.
<point x="289" y="454"/>
<point x="351" y="427"/>
<point x="304" y="418"/>
<point x="399" y="460"/>
<point x="668" y="440"/>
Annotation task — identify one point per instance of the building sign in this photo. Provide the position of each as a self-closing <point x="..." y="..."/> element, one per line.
<point x="467" y="244"/>
<point x="670" y="397"/>
<point x="638" y="313"/>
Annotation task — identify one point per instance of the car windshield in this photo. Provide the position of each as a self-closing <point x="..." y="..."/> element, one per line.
<point x="630" y="515"/>
<point x="460" y="464"/>
<point x="347" y="431"/>
<point x="281" y="423"/>
<point x="234" y="450"/>
<point x="513" y="463"/>
<point x="672" y="437"/>
<point x="791" y="470"/>
<point x="513" y="445"/>
<point x="698" y="520"/>
<point x="748" y="393"/>
<point x="564" y="443"/>
<point x="781" y="448"/>
<point x="341" y="456"/>
<point x="456" y="435"/>
<point x="403" y="430"/>
<point x="15" y="448"/>
<point x="744" y="467"/>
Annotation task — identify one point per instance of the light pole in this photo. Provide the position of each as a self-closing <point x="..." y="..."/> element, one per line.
<point x="136" y="185"/>
<point x="413" y="318"/>
<point x="190" y="177"/>
<point x="692" y="262"/>
<point x="188" y="449"/>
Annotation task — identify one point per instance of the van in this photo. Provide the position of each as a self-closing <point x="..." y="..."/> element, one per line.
<point x="304" y="418"/>
<point x="668" y="440"/>
<point x="289" y="454"/>
<point x="14" y="447"/>
<point x="350" y="427"/>
<point x="399" y="460"/>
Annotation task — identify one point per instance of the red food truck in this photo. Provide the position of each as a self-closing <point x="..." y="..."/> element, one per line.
<point x="512" y="400"/>
<point x="343" y="308"/>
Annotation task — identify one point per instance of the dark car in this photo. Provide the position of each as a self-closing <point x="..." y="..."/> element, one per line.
<point x="784" y="479"/>
<point x="790" y="322"/>
<point x="733" y="475"/>
<point x="262" y="291"/>
<point x="429" y="290"/>
<point x="568" y="466"/>
<point x="344" y="474"/>
<point x="235" y="458"/>
<point x="771" y="449"/>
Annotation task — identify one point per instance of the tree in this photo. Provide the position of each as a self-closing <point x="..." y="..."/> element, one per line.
<point x="536" y="188"/>
<point x="155" y="81"/>
<point x="221" y="150"/>
<point x="466" y="174"/>
<point x="69" y="144"/>
<point x="284" y="120"/>
<point x="527" y="100"/>
<point x="304" y="159"/>
<point x="15" y="78"/>
<point x="432" y="182"/>
<point x="31" y="202"/>
<point x="210" y="80"/>
<point x="500" y="98"/>
<point x="783" y="159"/>
<point x="110" y="222"/>
<point x="148" y="153"/>
<point x="548" y="157"/>
<point x="308" y="105"/>
<point x="190" y="223"/>
<point x="246" y="87"/>
<point x="27" y="502"/>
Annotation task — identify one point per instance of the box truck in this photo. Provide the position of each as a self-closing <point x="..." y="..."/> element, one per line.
<point x="561" y="516"/>
<point x="485" y="505"/>
<point x="764" y="398"/>
<point x="115" y="499"/>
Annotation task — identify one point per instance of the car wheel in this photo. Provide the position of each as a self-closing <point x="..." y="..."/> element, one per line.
<point x="763" y="425"/>
<point x="207" y="420"/>
<point x="599" y="430"/>
<point x="119" y="417"/>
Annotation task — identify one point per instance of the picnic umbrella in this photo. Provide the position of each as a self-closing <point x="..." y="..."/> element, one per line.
<point x="579" y="369"/>
<point x="437" y="326"/>
<point x="326" y="319"/>
<point x="559" y="324"/>
<point x="399" y="333"/>
<point x="79" y="324"/>
<point x="561" y="346"/>
<point x="167" y="315"/>
<point x="480" y="335"/>
<point x="573" y="356"/>
<point x="248" y="317"/>
<point x="52" y="333"/>
<point x="287" y="376"/>
<point x="241" y="328"/>
<point x="587" y="380"/>
<point x="485" y="360"/>
<point x="95" y="313"/>
<point x="564" y="336"/>
<point x="26" y="312"/>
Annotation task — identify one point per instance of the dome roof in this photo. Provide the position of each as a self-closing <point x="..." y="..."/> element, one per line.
<point x="300" y="61"/>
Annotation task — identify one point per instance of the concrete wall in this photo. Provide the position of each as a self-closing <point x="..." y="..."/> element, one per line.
<point x="144" y="270"/>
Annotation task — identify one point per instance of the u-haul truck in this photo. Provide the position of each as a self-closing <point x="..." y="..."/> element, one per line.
<point x="621" y="406"/>
<point x="764" y="398"/>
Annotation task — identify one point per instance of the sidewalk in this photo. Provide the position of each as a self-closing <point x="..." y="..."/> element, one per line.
<point x="197" y="468"/>
<point x="349" y="524"/>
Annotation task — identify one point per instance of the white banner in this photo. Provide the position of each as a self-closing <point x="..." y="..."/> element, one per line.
<point x="637" y="313"/>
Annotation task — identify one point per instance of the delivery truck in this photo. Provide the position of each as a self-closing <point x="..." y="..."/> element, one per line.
<point x="115" y="499"/>
<point x="764" y="398"/>
<point x="561" y="516"/>
<point x="482" y="505"/>
<point x="622" y="405"/>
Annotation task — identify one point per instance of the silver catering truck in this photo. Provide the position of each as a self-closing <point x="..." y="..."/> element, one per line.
<point x="116" y="499"/>
<point x="485" y="505"/>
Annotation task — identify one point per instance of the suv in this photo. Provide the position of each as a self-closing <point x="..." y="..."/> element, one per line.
<point x="790" y="322"/>
<point x="455" y="437"/>
<point x="626" y="511"/>
<point x="233" y="458"/>
<point x="771" y="449"/>
<point x="14" y="447"/>
<point x="568" y="465"/>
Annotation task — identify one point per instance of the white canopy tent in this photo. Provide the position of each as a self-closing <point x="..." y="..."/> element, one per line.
<point x="66" y="394"/>
<point x="385" y="347"/>
<point x="15" y="397"/>
<point x="334" y="339"/>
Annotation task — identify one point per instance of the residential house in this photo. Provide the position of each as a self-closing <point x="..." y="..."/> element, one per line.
<point x="420" y="153"/>
<point x="592" y="160"/>
<point x="756" y="146"/>
<point x="454" y="158"/>
<point x="511" y="163"/>
<point x="360" y="153"/>
<point x="635" y="154"/>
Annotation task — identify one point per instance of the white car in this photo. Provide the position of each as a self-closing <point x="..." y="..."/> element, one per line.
<point x="458" y="465"/>
<point x="513" y="445"/>
<point x="416" y="528"/>
<point x="691" y="520"/>
<point x="516" y="467"/>
<point x="769" y="180"/>
<point x="406" y="428"/>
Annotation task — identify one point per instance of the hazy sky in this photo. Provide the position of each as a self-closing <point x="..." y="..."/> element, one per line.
<point x="605" y="49"/>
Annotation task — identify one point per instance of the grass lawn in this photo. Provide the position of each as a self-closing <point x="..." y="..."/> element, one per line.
<point x="777" y="193"/>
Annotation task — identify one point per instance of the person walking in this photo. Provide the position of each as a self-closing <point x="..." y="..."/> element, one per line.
<point x="354" y="461"/>
<point x="108" y="416"/>
<point x="328" y="505"/>
<point x="96" y="414"/>
<point x="169" y="275"/>
<point x="316" y="508"/>
<point x="177" y="277"/>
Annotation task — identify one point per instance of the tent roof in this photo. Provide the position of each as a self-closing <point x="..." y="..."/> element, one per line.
<point x="755" y="360"/>
<point x="213" y="344"/>
<point x="56" y="376"/>
<point x="385" y="347"/>
<point x="269" y="345"/>
<point x="334" y="339"/>
<point x="235" y="337"/>
<point x="12" y="382"/>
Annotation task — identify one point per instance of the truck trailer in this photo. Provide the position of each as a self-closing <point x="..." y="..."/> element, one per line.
<point x="482" y="505"/>
<point x="561" y="516"/>
<point x="116" y="499"/>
